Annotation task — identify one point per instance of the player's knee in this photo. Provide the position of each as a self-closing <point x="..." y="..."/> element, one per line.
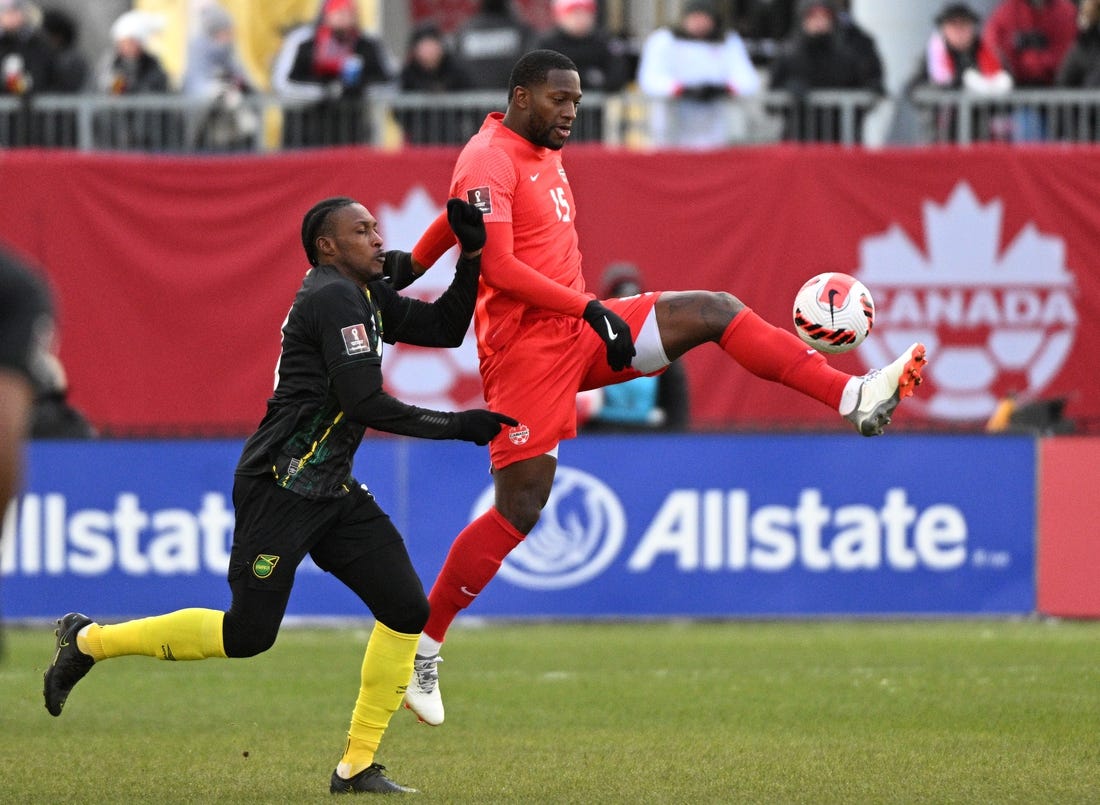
<point x="724" y="306"/>
<point x="522" y="492"/>
<point x="407" y="616"/>
<point x="689" y="318"/>
<point x="522" y="512"/>
<point x="242" y="638"/>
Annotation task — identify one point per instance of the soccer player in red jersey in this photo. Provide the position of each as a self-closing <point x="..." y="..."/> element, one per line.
<point x="542" y="338"/>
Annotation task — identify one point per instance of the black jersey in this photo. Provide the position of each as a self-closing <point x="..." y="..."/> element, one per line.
<point x="26" y="320"/>
<point x="333" y="334"/>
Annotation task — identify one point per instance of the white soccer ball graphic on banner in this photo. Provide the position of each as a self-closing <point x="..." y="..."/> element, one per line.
<point x="833" y="312"/>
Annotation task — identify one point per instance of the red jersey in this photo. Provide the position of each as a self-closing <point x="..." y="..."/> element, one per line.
<point x="531" y="290"/>
<point x="531" y="266"/>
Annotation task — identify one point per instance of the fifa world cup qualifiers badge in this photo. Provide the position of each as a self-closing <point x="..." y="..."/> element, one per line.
<point x="264" y="565"/>
<point x="481" y="199"/>
<point x="358" y="339"/>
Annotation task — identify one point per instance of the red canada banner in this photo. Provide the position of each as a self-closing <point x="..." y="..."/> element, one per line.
<point x="174" y="274"/>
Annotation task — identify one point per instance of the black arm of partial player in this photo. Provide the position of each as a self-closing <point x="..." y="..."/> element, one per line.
<point x="672" y="396"/>
<point x="359" y="391"/>
<point x="442" y="323"/>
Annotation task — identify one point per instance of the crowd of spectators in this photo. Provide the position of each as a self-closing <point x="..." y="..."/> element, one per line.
<point x="326" y="69"/>
<point x="330" y="65"/>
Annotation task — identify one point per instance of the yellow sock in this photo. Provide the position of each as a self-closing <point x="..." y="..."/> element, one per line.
<point x="187" y="634"/>
<point x="387" y="667"/>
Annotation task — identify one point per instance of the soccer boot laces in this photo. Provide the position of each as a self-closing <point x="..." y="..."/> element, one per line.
<point x="422" y="695"/>
<point x="882" y="390"/>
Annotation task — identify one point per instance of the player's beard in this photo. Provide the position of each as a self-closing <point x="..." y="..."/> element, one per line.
<point x="539" y="132"/>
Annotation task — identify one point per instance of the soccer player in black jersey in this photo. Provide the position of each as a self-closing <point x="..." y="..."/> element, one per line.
<point x="26" y="327"/>
<point x="293" y="491"/>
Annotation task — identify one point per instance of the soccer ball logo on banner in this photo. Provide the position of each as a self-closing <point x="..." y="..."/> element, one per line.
<point x="995" y="322"/>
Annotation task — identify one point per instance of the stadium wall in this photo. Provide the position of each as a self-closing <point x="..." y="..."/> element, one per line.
<point x="173" y="274"/>
<point x="703" y="525"/>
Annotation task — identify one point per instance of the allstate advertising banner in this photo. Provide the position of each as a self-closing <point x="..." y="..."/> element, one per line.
<point x="684" y="525"/>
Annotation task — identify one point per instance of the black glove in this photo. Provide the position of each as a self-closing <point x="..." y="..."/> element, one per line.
<point x="397" y="269"/>
<point x="480" y="426"/>
<point x="614" y="332"/>
<point x="705" y="92"/>
<point x="467" y="224"/>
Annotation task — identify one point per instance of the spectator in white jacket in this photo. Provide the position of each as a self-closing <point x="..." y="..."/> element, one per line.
<point x="693" y="69"/>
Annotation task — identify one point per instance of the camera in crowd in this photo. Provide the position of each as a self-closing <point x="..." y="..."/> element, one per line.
<point x="1031" y="40"/>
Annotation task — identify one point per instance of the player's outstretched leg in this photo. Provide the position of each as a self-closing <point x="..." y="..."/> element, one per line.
<point x="423" y="696"/>
<point x="371" y="780"/>
<point x="687" y="319"/>
<point x="69" y="664"/>
<point x="882" y="389"/>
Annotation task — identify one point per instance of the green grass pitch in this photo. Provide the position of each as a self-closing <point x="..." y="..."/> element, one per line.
<point x="651" y="712"/>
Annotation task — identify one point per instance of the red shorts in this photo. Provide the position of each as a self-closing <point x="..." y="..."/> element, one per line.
<point x="536" y="376"/>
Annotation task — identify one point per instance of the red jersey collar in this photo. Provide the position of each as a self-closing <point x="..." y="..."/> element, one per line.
<point x="495" y="120"/>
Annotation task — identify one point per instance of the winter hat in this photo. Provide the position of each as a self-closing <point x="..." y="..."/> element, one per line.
<point x="957" y="11"/>
<point x="806" y="6"/>
<point x="561" y="7"/>
<point x="426" y="30"/>
<point x="138" y="25"/>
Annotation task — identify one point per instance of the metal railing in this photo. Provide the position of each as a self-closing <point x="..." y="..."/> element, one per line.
<point x="172" y="123"/>
<point x="1023" y="115"/>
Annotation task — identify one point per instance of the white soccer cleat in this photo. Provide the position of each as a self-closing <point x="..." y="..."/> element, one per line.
<point x="422" y="695"/>
<point x="882" y="390"/>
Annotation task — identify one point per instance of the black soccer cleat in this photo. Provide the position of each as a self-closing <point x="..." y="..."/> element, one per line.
<point x="69" y="663"/>
<point x="370" y="780"/>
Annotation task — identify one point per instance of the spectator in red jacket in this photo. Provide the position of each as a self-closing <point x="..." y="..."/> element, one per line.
<point x="1031" y="37"/>
<point x="955" y="57"/>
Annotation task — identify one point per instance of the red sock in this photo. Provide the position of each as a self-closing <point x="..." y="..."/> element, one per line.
<point x="774" y="354"/>
<point x="473" y="560"/>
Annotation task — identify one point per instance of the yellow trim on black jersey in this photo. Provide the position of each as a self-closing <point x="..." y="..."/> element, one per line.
<point x="285" y="482"/>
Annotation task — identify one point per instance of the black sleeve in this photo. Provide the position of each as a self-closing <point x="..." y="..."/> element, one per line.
<point x="302" y="67"/>
<point x="672" y="396"/>
<point x="780" y="70"/>
<point x="615" y="67"/>
<point x="340" y="321"/>
<point x="26" y="319"/>
<point x="1071" y="70"/>
<point x="398" y="269"/>
<point x="375" y="70"/>
<point x="442" y="323"/>
<point x="359" y="391"/>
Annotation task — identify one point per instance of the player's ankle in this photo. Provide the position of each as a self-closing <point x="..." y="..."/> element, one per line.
<point x="428" y="647"/>
<point x="849" y="398"/>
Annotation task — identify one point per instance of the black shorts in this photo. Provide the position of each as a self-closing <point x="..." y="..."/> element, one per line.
<point x="276" y="528"/>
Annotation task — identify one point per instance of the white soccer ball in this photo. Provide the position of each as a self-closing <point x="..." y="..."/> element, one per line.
<point x="833" y="312"/>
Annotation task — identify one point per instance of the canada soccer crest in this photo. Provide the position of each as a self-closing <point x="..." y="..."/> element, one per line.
<point x="995" y="322"/>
